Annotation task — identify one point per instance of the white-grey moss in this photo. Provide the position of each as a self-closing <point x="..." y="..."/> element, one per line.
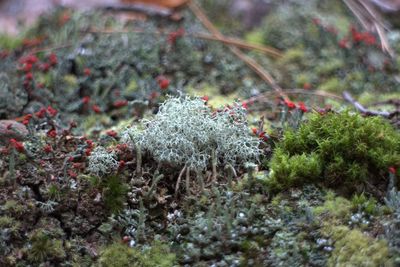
<point x="102" y="162"/>
<point x="185" y="131"/>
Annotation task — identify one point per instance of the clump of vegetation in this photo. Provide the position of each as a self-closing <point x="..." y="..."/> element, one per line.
<point x="341" y="151"/>
<point x="353" y="248"/>
<point x="121" y="255"/>
<point x="186" y="131"/>
<point x="102" y="162"/>
<point x="114" y="193"/>
<point x="44" y="247"/>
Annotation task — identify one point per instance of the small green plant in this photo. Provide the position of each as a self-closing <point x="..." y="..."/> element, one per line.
<point x="361" y="202"/>
<point x="44" y="247"/>
<point x="341" y="151"/>
<point x="114" y="193"/>
<point x="353" y="248"/>
<point x="121" y="255"/>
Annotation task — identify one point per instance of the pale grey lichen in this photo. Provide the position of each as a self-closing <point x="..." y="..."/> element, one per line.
<point x="102" y="162"/>
<point x="185" y="131"/>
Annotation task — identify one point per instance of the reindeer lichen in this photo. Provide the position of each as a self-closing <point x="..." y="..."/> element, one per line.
<point x="102" y="162"/>
<point x="186" y="131"/>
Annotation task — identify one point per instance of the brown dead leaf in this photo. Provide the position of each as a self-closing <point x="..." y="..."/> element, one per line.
<point x="161" y="3"/>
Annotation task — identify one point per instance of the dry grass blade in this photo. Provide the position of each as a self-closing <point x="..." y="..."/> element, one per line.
<point x="270" y="51"/>
<point x="371" y="20"/>
<point x="199" y="13"/>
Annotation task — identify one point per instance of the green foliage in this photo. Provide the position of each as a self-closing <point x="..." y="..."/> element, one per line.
<point x="362" y="203"/>
<point x="43" y="247"/>
<point x="9" y="42"/>
<point x="337" y="208"/>
<point x="294" y="170"/>
<point x="114" y="193"/>
<point x="353" y="248"/>
<point x="332" y="85"/>
<point x="120" y="255"/>
<point x="9" y="222"/>
<point x="342" y="151"/>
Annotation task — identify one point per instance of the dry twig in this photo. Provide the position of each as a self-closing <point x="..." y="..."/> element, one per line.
<point x="347" y="96"/>
<point x="199" y="13"/>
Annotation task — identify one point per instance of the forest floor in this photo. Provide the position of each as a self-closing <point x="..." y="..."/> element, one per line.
<point x="199" y="137"/>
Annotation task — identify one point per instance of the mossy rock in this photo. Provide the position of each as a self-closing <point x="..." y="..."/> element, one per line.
<point x="344" y="151"/>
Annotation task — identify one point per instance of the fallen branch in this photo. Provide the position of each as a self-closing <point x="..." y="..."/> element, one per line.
<point x="347" y="96"/>
<point x="296" y="91"/>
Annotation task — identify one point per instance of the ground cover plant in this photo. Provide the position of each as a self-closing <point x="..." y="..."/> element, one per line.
<point x="156" y="142"/>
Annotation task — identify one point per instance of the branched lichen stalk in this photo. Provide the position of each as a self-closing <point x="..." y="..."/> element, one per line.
<point x="187" y="181"/>
<point x="138" y="160"/>
<point x="214" y="163"/>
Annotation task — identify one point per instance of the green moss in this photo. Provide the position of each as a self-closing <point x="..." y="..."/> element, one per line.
<point x="44" y="248"/>
<point x="337" y="207"/>
<point x="288" y="171"/>
<point x="9" y="42"/>
<point x="255" y="37"/>
<point x="363" y="203"/>
<point x="293" y="55"/>
<point x="330" y="67"/>
<point x="10" y="223"/>
<point x="120" y="255"/>
<point x="13" y="207"/>
<point x="114" y="192"/>
<point x="332" y="85"/>
<point x="353" y="248"/>
<point x="342" y="151"/>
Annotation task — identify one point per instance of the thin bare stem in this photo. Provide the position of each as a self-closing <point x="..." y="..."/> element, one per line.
<point x="179" y="180"/>
<point x="187" y="182"/>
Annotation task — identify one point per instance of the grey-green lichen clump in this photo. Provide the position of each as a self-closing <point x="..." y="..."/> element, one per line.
<point x="186" y="131"/>
<point x="102" y="162"/>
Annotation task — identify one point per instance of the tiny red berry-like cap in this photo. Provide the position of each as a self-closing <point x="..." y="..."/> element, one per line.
<point x="29" y="76"/>
<point x="392" y="170"/>
<point x="302" y="107"/>
<point x="162" y="81"/>
<point x="112" y="133"/>
<point x="41" y="113"/>
<point x="85" y="99"/>
<point x="120" y="103"/>
<point x="47" y="148"/>
<point x="121" y="164"/>
<point x="87" y="72"/>
<point x="17" y="145"/>
<point x="96" y="109"/>
<point x="205" y="98"/>
<point x="289" y="104"/>
<point x="51" y="111"/>
<point x="53" y="59"/>
<point x="52" y="133"/>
